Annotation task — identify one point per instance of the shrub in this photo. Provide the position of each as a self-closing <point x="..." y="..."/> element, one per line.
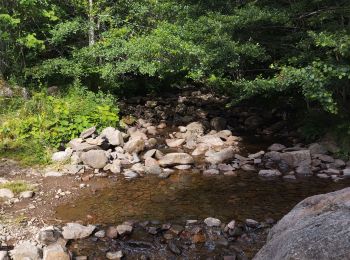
<point x="46" y="122"/>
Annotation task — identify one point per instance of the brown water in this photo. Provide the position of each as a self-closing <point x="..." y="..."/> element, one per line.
<point x="189" y="195"/>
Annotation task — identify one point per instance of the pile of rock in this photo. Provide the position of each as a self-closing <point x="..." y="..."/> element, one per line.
<point x="137" y="151"/>
<point x="150" y="149"/>
<point x="314" y="159"/>
<point x="50" y="242"/>
<point x="194" y="105"/>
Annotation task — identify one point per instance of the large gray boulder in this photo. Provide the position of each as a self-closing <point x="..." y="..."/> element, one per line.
<point x="316" y="228"/>
<point x="97" y="159"/>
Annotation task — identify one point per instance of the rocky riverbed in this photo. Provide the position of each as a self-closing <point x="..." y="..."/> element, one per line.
<point x="185" y="178"/>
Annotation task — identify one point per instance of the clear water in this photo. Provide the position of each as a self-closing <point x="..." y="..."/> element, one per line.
<point x="189" y="195"/>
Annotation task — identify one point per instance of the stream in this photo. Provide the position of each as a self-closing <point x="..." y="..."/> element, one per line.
<point x="188" y="195"/>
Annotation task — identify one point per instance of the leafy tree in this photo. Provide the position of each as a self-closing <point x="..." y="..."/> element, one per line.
<point x="246" y="48"/>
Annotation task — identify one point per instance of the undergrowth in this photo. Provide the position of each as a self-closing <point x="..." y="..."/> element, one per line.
<point x="31" y="129"/>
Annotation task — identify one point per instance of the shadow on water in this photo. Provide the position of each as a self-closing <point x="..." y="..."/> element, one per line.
<point x="189" y="195"/>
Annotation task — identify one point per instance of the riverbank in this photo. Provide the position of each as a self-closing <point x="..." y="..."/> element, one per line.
<point x="185" y="158"/>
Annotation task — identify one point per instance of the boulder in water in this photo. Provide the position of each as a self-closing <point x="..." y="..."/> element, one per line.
<point x="175" y="159"/>
<point x="316" y="228"/>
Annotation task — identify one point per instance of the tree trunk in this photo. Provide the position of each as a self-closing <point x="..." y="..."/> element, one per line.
<point x="91" y="24"/>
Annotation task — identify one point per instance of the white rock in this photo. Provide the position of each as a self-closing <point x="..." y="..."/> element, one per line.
<point x="183" y="167"/>
<point x="124" y="229"/>
<point x="77" y="231"/>
<point x="114" y="255"/>
<point x="130" y="174"/>
<point x="221" y="156"/>
<point x="100" y="234"/>
<point x="6" y="193"/>
<point x="182" y="129"/>
<point x="24" y="251"/>
<point x="115" y="167"/>
<point x="211" y="140"/>
<point x="175" y="159"/>
<point x="60" y="156"/>
<point x="212" y="222"/>
<point x="113" y="136"/>
<point x="26" y="194"/>
<point x="232" y="224"/>
<point x="174" y="142"/>
<point x="256" y="155"/>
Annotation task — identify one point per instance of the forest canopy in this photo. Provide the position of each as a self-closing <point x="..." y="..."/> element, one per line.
<point x="245" y="48"/>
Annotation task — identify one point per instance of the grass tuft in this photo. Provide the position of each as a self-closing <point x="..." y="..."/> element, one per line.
<point x="16" y="186"/>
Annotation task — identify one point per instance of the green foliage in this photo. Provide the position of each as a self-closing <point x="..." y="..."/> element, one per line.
<point x="43" y="122"/>
<point x="246" y="48"/>
<point x="66" y="29"/>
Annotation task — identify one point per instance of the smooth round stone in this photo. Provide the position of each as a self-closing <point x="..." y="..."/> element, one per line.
<point x="212" y="222"/>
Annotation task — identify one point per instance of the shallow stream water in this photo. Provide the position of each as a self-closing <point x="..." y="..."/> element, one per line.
<point x="191" y="196"/>
<point x="188" y="195"/>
